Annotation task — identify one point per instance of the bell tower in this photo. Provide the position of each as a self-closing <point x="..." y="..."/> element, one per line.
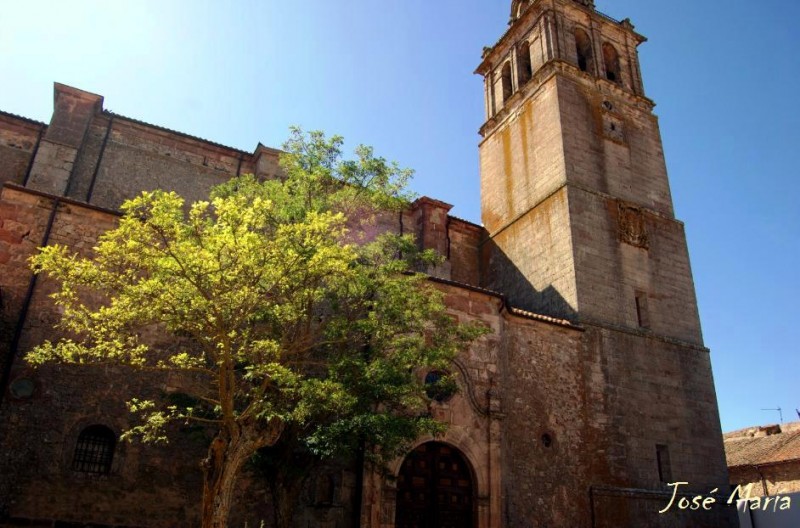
<point x="574" y="188"/>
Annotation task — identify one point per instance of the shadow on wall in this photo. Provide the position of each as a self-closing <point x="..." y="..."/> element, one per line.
<point x="500" y="274"/>
<point x="631" y="507"/>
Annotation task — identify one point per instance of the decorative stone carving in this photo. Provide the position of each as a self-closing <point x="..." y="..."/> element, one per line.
<point x="632" y="228"/>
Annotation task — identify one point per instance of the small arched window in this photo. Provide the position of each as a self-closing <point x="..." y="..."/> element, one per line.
<point x="439" y="387"/>
<point x="525" y="71"/>
<point x="583" y="47"/>
<point x="94" y="451"/>
<point x="611" y="60"/>
<point x="505" y="79"/>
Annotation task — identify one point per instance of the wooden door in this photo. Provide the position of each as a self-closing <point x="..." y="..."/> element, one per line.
<point x="434" y="489"/>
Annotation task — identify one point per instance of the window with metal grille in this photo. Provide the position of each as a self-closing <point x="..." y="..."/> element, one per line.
<point x="95" y="450"/>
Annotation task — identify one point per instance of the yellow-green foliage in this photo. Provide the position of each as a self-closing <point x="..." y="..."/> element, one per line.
<point x="271" y="304"/>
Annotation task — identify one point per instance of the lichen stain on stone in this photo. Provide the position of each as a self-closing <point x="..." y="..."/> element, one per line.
<point x="507" y="170"/>
<point x="526" y="125"/>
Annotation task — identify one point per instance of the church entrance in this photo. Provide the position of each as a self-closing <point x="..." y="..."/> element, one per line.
<point x="435" y="489"/>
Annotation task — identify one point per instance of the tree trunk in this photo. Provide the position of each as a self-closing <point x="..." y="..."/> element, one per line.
<point x="226" y="456"/>
<point x="225" y="459"/>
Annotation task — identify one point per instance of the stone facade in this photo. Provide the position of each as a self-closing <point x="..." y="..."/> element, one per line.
<point x="592" y="392"/>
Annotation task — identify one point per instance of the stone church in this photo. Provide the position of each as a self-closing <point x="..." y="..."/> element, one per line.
<point x="593" y="391"/>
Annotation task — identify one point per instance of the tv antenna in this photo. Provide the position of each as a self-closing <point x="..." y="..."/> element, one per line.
<point x="780" y="412"/>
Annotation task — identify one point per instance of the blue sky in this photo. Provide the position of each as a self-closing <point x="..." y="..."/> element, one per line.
<point x="397" y="74"/>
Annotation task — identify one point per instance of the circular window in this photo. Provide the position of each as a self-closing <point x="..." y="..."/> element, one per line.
<point x="22" y="388"/>
<point x="439" y="386"/>
<point x="547" y="440"/>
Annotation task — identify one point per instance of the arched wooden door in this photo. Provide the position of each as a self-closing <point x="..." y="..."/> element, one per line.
<point x="435" y="489"/>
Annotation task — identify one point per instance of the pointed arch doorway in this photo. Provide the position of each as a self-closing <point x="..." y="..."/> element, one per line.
<point x="435" y="489"/>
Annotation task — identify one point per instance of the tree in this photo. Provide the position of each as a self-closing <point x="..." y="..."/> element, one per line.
<point x="287" y="315"/>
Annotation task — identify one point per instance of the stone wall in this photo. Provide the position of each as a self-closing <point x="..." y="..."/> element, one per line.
<point x="89" y="164"/>
<point x="39" y="431"/>
<point x="591" y="392"/>
<point x="475" y="415"/>
<point x="561" y="422"/>
<point x="779" y="478"/>
<point x="638" y="283"/>
<point x="582" y="232"/>
<point x="548" y="445"/>
<point x="464" y="250"/>
<point x="18" y="140"/>
<point x="525" y="211"/>
<point x="580" y="225"/>
<point x="522" y="161"/>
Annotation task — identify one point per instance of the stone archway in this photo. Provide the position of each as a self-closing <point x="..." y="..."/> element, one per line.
<point x="435" y="489"/>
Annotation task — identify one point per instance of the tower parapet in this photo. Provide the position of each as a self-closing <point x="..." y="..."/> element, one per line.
<point x="518" y="7"/>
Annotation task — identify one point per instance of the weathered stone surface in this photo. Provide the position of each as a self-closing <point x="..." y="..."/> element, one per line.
<point x="595" y="366"/>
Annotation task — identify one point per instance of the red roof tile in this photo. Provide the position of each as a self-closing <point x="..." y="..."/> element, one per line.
<point x="756" y="446"/>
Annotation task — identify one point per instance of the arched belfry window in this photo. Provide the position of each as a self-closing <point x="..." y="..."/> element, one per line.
<point x="611" y="60"/>
<point x="525" y="71"/>
<point x="505" y="79"/>
<point x="518" y="7"/>
<point x="94" y="451"/>
<point x="583" y="47"/>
